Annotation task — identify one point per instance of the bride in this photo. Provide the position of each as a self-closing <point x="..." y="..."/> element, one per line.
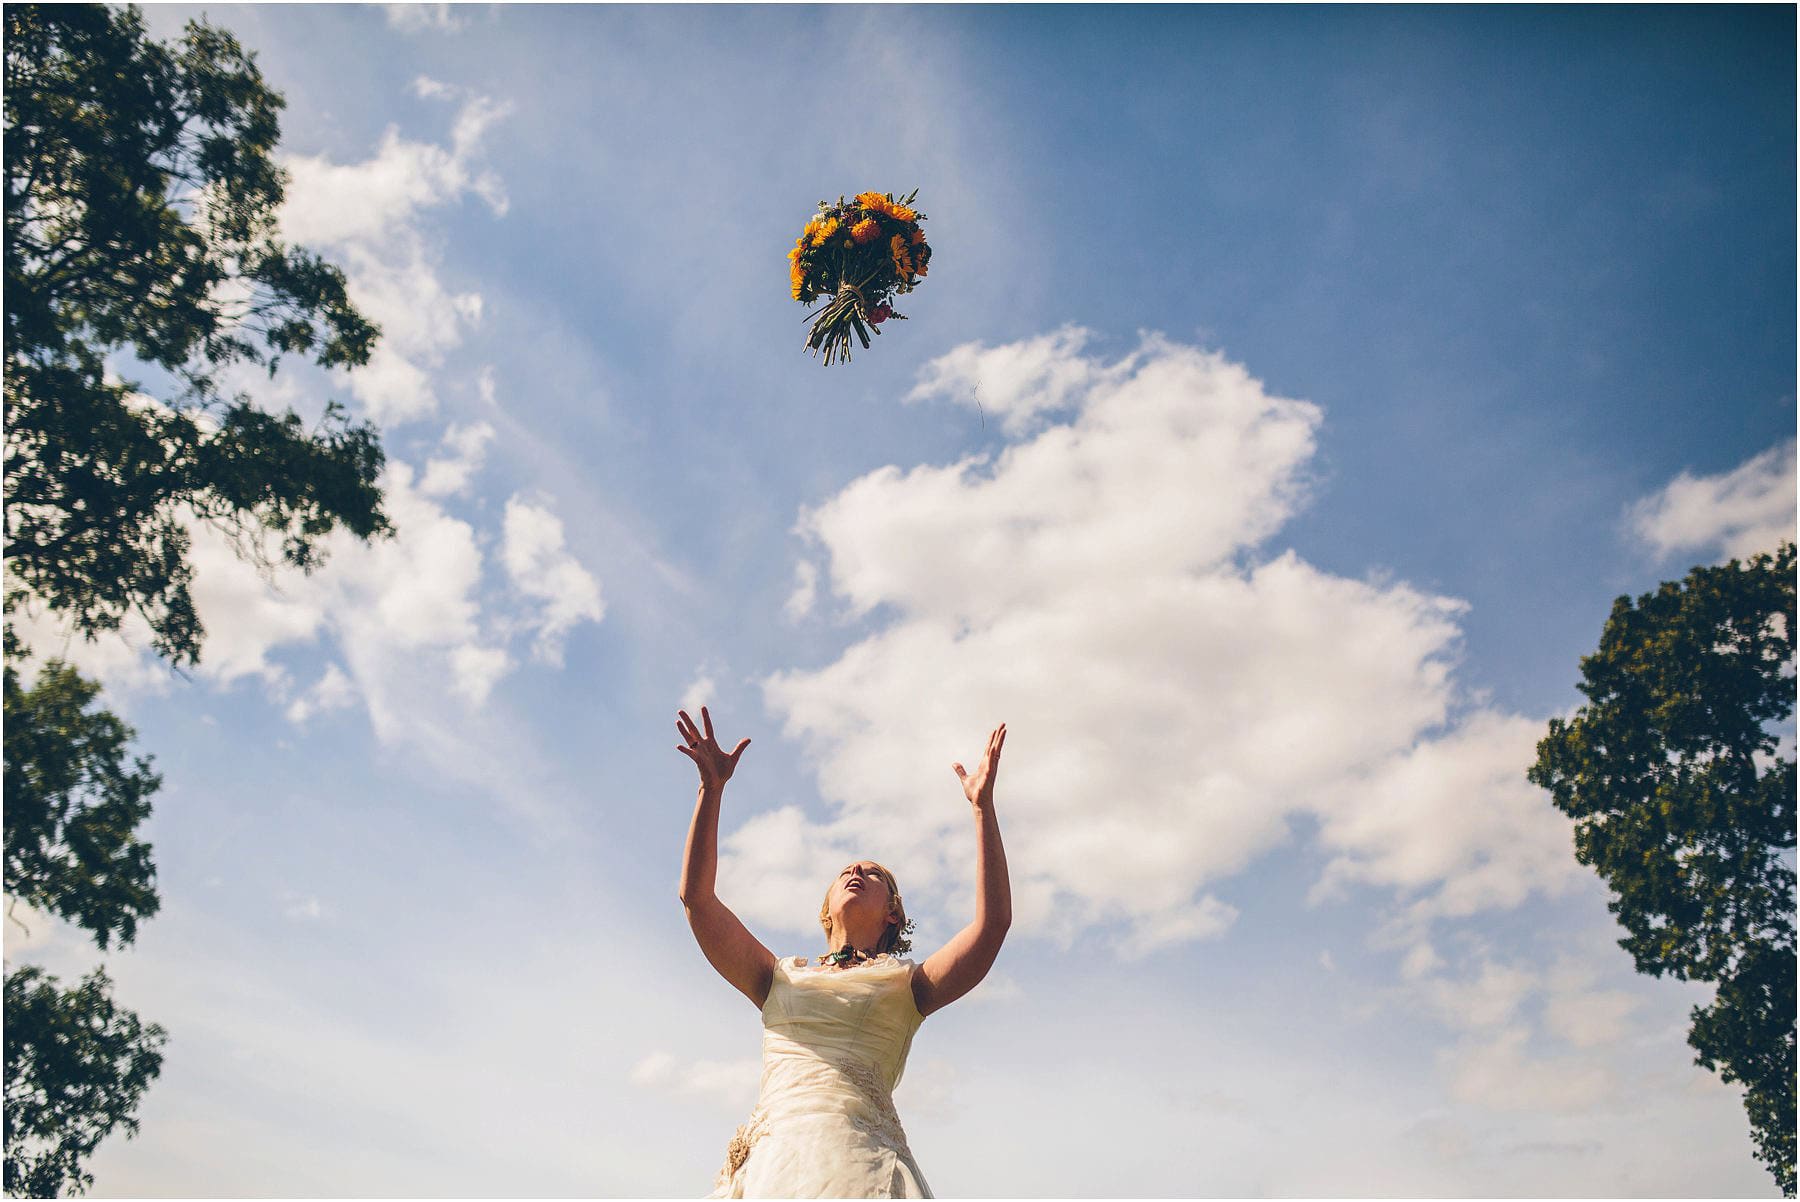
<point x="836" y="1034"/>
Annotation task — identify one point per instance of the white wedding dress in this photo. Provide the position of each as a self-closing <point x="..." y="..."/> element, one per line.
<point x="834" y="1047"/>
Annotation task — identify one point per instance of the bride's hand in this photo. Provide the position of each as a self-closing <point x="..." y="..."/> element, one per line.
<point x="716" y="765"/>
<point x="978" y="786"/>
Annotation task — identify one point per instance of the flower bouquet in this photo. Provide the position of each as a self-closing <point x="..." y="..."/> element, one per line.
<point x="860" y="253"/>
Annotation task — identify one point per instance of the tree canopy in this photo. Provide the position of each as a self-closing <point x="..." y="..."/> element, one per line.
<point x="76" y="1067"/>
<point x="1684" y="806"/>
<point x="73" y="805"/>
<point x="141" y="223"/>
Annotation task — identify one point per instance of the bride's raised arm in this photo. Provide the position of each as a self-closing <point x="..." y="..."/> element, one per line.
<point x="729" y="946"/>
<point x="960" y="964"/>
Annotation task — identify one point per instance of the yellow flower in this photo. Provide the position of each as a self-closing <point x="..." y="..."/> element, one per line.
<point x="875" y="202"/>
<point x="902" y="212"/>
<point x="866" y="230"/>
<point x="823" y="232"/>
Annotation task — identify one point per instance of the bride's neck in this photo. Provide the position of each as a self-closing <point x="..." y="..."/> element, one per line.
<point x="840" y="938"/>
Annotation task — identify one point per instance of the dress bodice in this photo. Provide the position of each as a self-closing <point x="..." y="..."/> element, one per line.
<point x="835" y="1043"/>
<point x="858" y="1020"/>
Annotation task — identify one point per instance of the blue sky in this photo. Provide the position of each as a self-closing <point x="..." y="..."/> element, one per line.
<point x="1336" y="368"/>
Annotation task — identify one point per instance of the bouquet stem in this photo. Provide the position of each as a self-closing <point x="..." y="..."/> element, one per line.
<point x="831" y="329"/>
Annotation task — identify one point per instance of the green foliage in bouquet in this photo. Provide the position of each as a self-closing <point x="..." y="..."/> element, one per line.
<point x="861" y="253"/>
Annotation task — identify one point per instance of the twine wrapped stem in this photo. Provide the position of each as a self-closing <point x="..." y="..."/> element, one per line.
<point x="846" y="311"/>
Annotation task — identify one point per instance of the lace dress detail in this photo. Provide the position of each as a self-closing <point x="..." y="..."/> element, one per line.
<point x="882" y="1121"/>
<point x="835" y="1044"/>
<point x="742" y="1141"/>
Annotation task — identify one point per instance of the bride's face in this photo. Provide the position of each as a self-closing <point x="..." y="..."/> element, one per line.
<point x="861" y="886"/>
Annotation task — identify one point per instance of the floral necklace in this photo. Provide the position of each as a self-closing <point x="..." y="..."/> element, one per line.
<point x="845" y="955"/>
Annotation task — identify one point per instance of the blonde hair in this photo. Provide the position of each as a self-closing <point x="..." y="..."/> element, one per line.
<point x="894" y="938"/>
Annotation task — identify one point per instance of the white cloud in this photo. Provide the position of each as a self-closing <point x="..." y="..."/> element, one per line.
<point x="365" y="215"/>
<point x="121" y="660"/>
<point x="1580" y="1014"/>
<point x="1736" y="514"/>
<point x="397" y="607"/>
<point x="1488" y="999"/>
<point x="303" y="909"/>
<point x="419" y="18"/>
<point x="334" y="690"/>
<point x="544" y="571"/>
<point x="427" y="88"/>
<point x="1590" y="1018"/>
<point x="466" y="448"/>
<point x="1017" y="382"/>
<point x="478" y="669"/>
<point x="1500" y="1072"/>
<point x="697" y="694"/>
<point x="1171" y="700"/>
<point x="245" y="613"/>
<point x="417" y="629"/>
<point x="1420" y="961"/>
<point x="1454" y="814"/>
<point x="1198" y="920"/>
<point x="806" y="591"/>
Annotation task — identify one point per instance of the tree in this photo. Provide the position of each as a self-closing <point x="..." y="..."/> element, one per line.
<point x="73" y="805"/>
<point x="141" y="201"/>
<point x="141" y="236"/>
<point x="1683" y="806"/>
<point x="76" y="1067"/>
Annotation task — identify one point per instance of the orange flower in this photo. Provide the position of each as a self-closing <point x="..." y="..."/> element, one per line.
<point x="917" y="237"/>
<point x="902" y="212"/>
<point x="822" y="232"/>
<point x="866" y="230"/>
<point x="902" y="260"/>
<point x="875" y="202"/>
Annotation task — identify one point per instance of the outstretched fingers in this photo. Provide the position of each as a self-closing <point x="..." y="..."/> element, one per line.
<point x="739" y="749"/>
